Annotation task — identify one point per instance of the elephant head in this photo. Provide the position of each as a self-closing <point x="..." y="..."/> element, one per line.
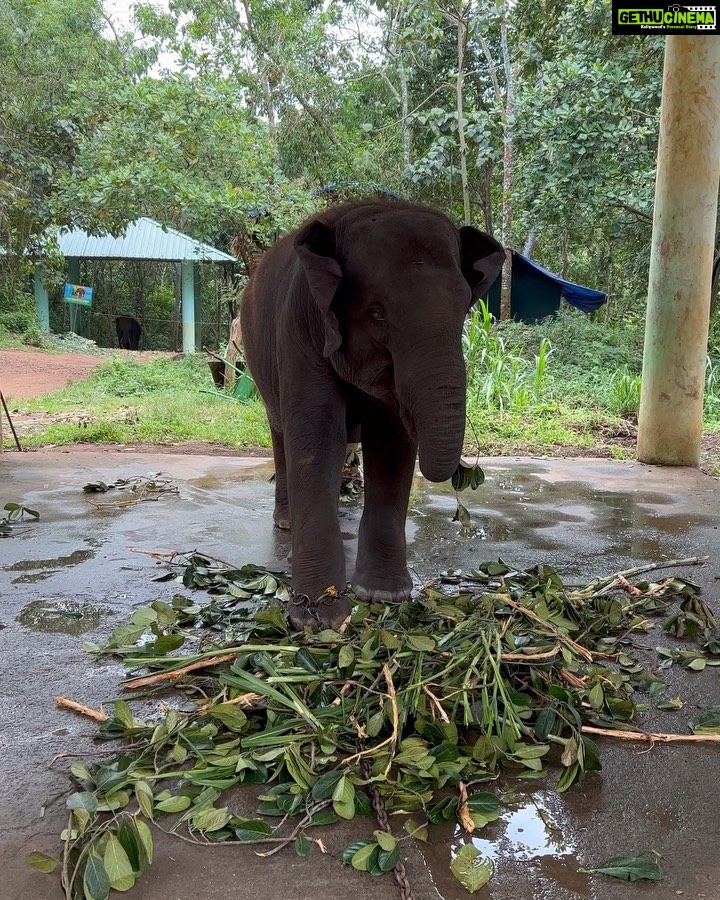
<point x="391" y="286"/>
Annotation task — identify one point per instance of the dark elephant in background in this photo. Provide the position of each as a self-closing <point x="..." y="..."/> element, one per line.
<point x="352" y="328"/>
<point x="128" y="332"/>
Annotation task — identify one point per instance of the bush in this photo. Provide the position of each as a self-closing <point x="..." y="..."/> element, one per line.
<point x="19" y="315"/>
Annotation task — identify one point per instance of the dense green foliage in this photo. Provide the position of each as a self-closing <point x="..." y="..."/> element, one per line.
<point x="222" y="119"/>
<point x="232" y="121"/>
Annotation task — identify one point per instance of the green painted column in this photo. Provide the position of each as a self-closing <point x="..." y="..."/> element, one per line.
<point x="42" y="301"/>
<point x="678" y="313"/>
<point x="188" y="306"/>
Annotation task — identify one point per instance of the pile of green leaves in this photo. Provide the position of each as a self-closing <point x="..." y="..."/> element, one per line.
<point x="427" y="702"/>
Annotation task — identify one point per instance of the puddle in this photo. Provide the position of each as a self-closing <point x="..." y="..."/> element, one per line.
<point x="531" y="833"/>
<point x="527" y="832"/>
<point x="522" y="506"/>
<point x="60" y="616"/>
<point x="59" y="562"/>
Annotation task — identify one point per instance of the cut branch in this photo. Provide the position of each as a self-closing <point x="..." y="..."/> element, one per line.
<point x="99" y="715"/>
<point x="651" y="736"/>
<point x="174" y="674"/>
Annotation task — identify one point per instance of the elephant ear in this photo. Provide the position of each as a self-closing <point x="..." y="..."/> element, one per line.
<point x="482" y="260"/>
<point x="315" y="247"/>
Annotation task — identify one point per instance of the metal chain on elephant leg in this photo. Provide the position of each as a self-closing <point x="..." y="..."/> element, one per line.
<point x="399" y="871"/>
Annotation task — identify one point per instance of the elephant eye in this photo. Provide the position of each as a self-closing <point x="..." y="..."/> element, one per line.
<point x="377" y="314"/>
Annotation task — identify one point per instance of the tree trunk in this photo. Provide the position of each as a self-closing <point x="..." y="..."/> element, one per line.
<point x="461" y="38"/>
<point x="508" y="160"/>
<point x="564" y="255"/>
<point x="402" y="75"/>
<point x="487" y="202"/>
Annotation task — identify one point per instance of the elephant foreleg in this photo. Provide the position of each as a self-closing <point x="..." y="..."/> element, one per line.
<point x="315" y="455"/>
<point x="388" y="464"/>
<point x="281" y="516"/>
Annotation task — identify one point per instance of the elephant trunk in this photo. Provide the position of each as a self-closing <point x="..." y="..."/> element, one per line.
<point x="432" y="398"/>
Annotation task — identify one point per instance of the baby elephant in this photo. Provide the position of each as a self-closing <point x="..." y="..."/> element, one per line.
<point x="352" y="329"/>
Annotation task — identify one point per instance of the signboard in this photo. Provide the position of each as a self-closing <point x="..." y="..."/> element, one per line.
<point x="78" y="293"/>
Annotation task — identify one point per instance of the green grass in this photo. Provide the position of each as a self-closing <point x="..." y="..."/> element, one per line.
<point x="568" y="384"/>
<point x="156" y="402"/>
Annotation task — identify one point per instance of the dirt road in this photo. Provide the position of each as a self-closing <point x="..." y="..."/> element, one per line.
<point x="30" y="373"/>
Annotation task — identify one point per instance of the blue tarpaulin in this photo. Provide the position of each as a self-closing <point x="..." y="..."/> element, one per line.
<point x="536" y="292"/>
<point x="583" y="298"/>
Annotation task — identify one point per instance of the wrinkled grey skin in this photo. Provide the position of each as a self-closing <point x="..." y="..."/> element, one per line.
<point x="352" y="327"/>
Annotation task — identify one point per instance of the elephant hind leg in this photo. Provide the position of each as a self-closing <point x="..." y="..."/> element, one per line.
<point x="281" y="515"/>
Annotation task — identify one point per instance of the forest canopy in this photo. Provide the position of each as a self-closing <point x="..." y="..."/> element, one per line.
<point x="235" y="118"/>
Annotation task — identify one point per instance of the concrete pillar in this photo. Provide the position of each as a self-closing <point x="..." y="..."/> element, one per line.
<point x="678" y="313"/>
<point x="42" y="301"/>
<point x="198" y="306"/>
<point x="188" y="306"/>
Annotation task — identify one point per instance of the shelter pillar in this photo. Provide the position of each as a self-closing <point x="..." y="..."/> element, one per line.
<point x="42" y="301"/>
<point x="678" y="313"/>
<point x="187" y="270"/>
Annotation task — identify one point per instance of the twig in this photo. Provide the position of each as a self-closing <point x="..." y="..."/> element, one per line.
<point x="10" y="422"/>
<point x="392" y="695"/>
<point x="528" y="613"/>
<point x="529" y="657"/>
<point x="436" y="703"/>
<point x="652" y="737"/>
<point x="169" y="558"/>
<point x="174" y="674"/>
<point x="99" y="715"/>
<point x="601" y="584"/>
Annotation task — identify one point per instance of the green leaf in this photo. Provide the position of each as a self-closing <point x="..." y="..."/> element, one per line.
<point x="630" y="868"/>
<point x="230" y="715"/>
<point x="302" y="845"/>
<point x="364" y="858"/>
<point x="423" y="643"/>
<point x="388" y="859"/>
<point x="145" y="797"/>
<point x="707" y="721"/>
<point x="252" y="830"/>
<point x="419" y="832"/>
<point x="174" y="804"/>
<point x="471" y="868"/>
<point x="123" y="713"/>
<point x="129" y="840"/>
<point x="83" y="800"/>
<point x="344" y="798"/>
<point x="42" y="862"/>
<point x="325" y="785"/>
<point x="95" y="879"/>
<point x="117" y="865"/>
<point x="483" y="807"/>
<point x="210" y="819"/>
<point x="386" y="840"/>
<point x="346" y="657"/>
<point x="351" y="849"/>
<point x="145" y="836"/>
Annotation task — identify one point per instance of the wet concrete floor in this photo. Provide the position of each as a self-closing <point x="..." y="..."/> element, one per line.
<point x="74" y="575"/>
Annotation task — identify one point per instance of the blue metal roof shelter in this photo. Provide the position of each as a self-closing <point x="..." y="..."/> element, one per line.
<point x="536" y="292"/>
<point x="144" y="239"/>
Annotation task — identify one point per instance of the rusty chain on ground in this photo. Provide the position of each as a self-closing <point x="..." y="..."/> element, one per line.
<point x="399" y="870"/>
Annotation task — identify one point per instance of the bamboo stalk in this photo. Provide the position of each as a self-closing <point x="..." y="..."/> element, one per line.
<point x="174" y="674"/>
